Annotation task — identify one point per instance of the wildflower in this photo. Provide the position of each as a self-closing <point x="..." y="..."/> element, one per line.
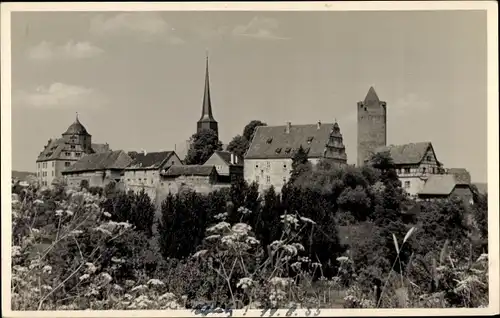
<point x="129" y="283"/>
<point x="290" y="249"/>
<point x="298" y="246"/>
<point x="107" y="214"/>
<point x="316" y="265"/>
<point x="99" y="229"/>
<point x="276" y="245"/>
<point x="139" y="288"/>
<point x="46" y="287"/>
<point x="304" y="259"/>
<point x="24" y="184"/>
<point x="221" y="216"/>
<point x="16" y="251"/>
<point x="296" y="266"/>
<point x="244" y="210"/>
<point x="244" y="283"/>
<point x="117" y="260"/>
<point x="90" y="268"/>
<point x="219" y="227"/>
<point x="128" y="296"/>
<point x="20" y="269"/>
<point x="342" y="259"/>
<point x="69" y="213"/>
<point x="289" y="219"/>
<point x="38" y="201"/>
<point x="47" y="269"/>
<point x="167" y="296"/>
<point x="59" y="212"/>
<point x="200" y="253"/>
<point x="241" y="229"/>
<point x="212" y="237"/>
<point x="76" y="232"/>
<point x="84" y="277"/>
<point x="252" y="240"/>
<point x="106" y="278"/>
<point x="155" y="282"/>
<point x="117" y="287"/>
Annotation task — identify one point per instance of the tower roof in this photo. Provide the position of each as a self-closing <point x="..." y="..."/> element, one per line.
<point x="76" y="128"/>
<point x="206" y="111"/>
<point x="371" y="96"/>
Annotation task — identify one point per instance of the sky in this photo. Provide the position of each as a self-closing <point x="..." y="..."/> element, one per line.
<point x="136" y="79"/>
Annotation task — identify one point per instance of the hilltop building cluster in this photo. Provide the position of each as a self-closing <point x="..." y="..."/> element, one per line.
<point x="268" y="160"/>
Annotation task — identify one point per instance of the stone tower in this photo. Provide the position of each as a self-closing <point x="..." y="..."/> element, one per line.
<point x="76" y="134"/>
<point x="335" y="149"/>
<point x="372" y="126"/>
<point x="207" y="120"/>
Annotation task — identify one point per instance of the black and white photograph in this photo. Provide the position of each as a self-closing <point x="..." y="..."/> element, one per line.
<point x="264" y="158"/>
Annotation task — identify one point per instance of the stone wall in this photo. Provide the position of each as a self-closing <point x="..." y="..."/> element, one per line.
<point x="372" y="129"/>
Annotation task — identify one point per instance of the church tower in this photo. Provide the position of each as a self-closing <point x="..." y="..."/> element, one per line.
<point x="207" y="120"/>
<point x="372" y="126"/>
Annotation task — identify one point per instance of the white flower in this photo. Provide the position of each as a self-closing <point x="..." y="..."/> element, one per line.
<point x="139" y="287"/>
<point x="342" y="259"/>
<point x="59" y="212"/>
<point x="155" y="282"/>
<point x="75" y="232"/>
<point x="241" y="229"/>
<point x="290" y="249"/>
<point x="289" y="219"/>
<point x="200" y="253"/>
<point x="167" y="297"/>
<point x="221" y="216"/>
<point x="90" y="268"/>
<point x="16" y="251"/>
<point x="46" y="287"/>
<point x="38" y="201"/>
<point x="84" y="276"/>
<point x="244" y="283"/>
<point x="316" y="264"/>
<point x="117" y="287"/>
<point x="107" y="214"/>
<point x="69" y="213"/>
<point x="117" y="260"/>
<point x="106" y="278"/>
<point x="47" y="269"/>
<point x="252" y="240"/>
<point x="212" y="237"/>
<point x="219" y="227"/>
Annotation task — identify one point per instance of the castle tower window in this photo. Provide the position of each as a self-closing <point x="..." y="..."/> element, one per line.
<point x="278" y="150"/>
<point x="269" y="140"/>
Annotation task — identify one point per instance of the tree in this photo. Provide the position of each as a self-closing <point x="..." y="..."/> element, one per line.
<point x="203" y="144"/>
<point x="240" y="143"/>
<point x="249" y="129"/>
<point x="300" y="164"/>
<point x="239" y="146"/>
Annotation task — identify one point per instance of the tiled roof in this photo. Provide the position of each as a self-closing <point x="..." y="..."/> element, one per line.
<point x="149" y="160"/>
<point x="412" y="153"/>
<point x="56" y="147"/>
<point x="114" y="160"/>
<point x="482" y="187"/>
<point x="226" y="156"/>
<point x="439" y="184"/>
<point x="98" y="148"/>
<point x="76" y="128"/>
<point x="274" y="142"/>
<point x="188" y="170"/>
<point x="462" y="176"/>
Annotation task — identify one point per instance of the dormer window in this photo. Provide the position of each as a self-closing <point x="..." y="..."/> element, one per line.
<point x="307" y="149"/>
<point x="278" y="150"/>
<point x="288" y="149"/>
<point x="72" y="146"/>
<point x="309" y="139"/>
<point x="269" y="140"/>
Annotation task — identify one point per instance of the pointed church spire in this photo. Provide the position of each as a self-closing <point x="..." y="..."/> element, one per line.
<point x="206" y="113"/>
<point x="207" y="120"/>
<point x="371" y="96"/>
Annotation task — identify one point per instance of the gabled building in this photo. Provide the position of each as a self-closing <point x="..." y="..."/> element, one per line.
<point x="198" y="178"/>
<point x="97" y="169"/>
<point x="144" y="170"/>
<point x="59" y="154"/>
<point x="414" y="163"/>
<point x="227" y="164"/>
<point x="444" y="186"/>
<point x="268" y="160"/>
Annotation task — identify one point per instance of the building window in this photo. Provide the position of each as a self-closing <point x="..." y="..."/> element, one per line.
<point x="173" y="162"/>
<point x="52" y="173"/>
<point x="67" y="164"/>
<point x="53" y="163"/>
<point x="257" y="178"/>
<point x="77" y="154"/>
<point x="407" y="184"/>
<point x="68" y="154"/>
<point x="128" y="180"/>
<point x="284" y="179"/>
<point x="268" y="165"/>
<point x="407" y="170"/>
<point x="424" y="170"/>
<point x="38" y="174"/>
<point x="38" y="166"/>
<point x="268" y="179"/>
<point x="429" y="158"/>
<point x="72" y="146"/>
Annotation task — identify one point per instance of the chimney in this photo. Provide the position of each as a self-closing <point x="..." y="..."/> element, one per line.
<point x="319" y="125"/>
<point x="288" y="125"/>
<point x="232" y="158"/>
